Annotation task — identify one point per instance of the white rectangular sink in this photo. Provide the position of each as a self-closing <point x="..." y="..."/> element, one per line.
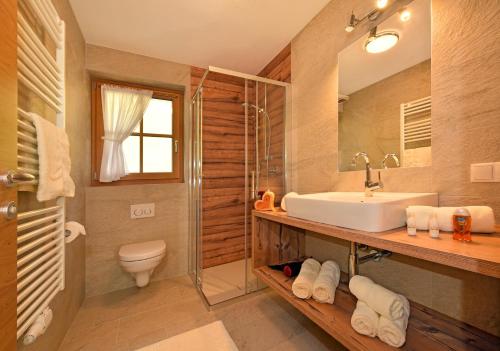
<point x="383" y="211"/>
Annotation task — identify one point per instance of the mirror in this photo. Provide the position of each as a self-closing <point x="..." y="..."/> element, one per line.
<point x="384" y="96"/>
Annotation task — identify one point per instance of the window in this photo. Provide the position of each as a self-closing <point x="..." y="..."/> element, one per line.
<point x="153" y="151"/>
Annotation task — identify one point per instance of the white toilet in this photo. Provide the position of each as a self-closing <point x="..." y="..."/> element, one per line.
<point x="141" y="259"/>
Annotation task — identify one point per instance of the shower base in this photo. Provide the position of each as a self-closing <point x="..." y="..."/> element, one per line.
<point x="227" y="281"/>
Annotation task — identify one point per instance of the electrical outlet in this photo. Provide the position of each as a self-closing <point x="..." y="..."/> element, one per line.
<point x="142" y="210"/>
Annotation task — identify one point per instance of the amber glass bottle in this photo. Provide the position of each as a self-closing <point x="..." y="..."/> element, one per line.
<point x="461" y="225"/>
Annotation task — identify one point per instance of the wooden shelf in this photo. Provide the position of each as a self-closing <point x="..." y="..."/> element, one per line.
<point x="481" y="256"/>
<point x="427" y="330"/>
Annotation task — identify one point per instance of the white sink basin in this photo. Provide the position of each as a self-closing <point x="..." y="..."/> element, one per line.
<point x="383" y="211"/>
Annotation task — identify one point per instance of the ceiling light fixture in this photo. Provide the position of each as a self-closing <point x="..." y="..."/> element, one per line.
<point x="404" y="15"/>
<point x="380" y="42"/>
<point x="381" y="3"/>
<point x="352" y="24"/>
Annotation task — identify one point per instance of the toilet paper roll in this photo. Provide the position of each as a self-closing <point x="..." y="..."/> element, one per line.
<point x="72" y="230"/>
<point x="39" y="326"/>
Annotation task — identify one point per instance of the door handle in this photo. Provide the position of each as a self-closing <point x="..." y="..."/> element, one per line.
<point x="15" y="177"/>
<point x="9" y="210"/>
<point x="253" y="186"/>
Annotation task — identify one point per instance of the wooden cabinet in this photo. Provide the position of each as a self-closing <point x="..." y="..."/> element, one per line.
<point x="278" y="238"/>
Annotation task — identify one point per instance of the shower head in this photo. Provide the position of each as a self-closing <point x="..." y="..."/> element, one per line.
<point x="259" y="110"/>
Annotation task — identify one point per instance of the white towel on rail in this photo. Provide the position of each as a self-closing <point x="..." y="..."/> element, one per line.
<point x="326" y="283"/>
<point x="302" y="286"/>
<point x="364" y="319"/>
<point x="380" y="299"/>
<point x="54" y="178"/>
<point x="393" y="332"/>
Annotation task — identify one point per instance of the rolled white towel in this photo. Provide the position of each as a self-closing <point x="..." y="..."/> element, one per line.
<point x="364" y="319"/>
<point x="283" y="200"/>
<point x="382" y="300"/>
<point x="326" y="283"/>
<point x="393" y="332"/>
<point x="422" y="215"/>
<point x="445" y="218"/>
<point x="302" y="287"/>
<point x="483" y="218"/>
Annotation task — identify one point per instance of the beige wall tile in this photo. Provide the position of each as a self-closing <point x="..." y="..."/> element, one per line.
<point x="108" y="207"/>
<point x="465" y="127"/>
<point x="110" y="226"/>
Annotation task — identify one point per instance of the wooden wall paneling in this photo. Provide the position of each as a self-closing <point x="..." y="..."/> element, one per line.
<point x="223" y="184"/>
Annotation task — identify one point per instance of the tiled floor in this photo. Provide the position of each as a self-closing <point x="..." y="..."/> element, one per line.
<point x="132" y="318"/>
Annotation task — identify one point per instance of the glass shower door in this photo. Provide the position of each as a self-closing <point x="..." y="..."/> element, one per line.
<point x="195" y="181"/>
<point x="237" y="133"/>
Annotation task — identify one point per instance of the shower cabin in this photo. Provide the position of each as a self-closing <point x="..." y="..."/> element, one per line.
<point x="237" y="151"/>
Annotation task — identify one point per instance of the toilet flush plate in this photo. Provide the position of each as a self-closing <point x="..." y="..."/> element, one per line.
<point x="142" y="210"/>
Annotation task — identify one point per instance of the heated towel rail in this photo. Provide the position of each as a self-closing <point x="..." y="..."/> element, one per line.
<point x="40" y="231"/>
<point x="415" y="124"/>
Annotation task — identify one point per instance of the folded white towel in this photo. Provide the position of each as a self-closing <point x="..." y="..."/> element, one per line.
<point x="483" y="218"/>
<point x="380" y="299"/>
<point x="326" y="283"/>
<point x="302" y="287"/>
<point x="54" y="161"/>
<point x="393" y="332"/>
<point x="364" y="319"/>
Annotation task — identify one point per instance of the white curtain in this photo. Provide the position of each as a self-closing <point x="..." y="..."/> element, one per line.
<point x="122" y="110"/>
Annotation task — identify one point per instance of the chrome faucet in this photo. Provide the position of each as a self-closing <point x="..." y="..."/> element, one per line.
<point x="369" y="185"/>
<point x="388" y="156"/>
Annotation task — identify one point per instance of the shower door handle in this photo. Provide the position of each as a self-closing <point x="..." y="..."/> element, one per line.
<point x="253" y="186"/>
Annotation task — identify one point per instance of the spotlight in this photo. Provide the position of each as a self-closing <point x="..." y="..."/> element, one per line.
<point x="404" y="15"/>
<point x="381" y="3"/>
<point x="352" y="24"/>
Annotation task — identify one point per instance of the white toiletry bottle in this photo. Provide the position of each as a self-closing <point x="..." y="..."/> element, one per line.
<point x="434" y="225"/>
<point x="411" y="223"/>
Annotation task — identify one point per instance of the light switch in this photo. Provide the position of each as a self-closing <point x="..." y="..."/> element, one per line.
<point x="142" y="210"/>
<point x="485" y="172"/>
<point x="496" y="171"/>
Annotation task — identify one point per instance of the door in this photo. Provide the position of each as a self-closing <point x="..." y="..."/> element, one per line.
<point x="8" y="161"/>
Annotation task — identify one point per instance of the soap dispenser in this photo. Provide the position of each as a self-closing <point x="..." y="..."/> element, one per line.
<point x="462" y="222"/>
<point x="411" y="223"/>
<point x="434" y="225"/>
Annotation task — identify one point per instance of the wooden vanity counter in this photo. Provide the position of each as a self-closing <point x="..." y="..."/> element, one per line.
<point x="277" y="238"/>
<point x="482" y="255"/>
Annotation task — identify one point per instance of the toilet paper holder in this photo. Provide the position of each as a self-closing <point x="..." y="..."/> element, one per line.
<point x="72" y="230"/>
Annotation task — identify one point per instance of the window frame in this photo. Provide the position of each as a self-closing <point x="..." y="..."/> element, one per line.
<point x="97" y="128"/>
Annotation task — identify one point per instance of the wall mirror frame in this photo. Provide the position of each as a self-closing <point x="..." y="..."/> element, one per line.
<point x="384" y="98"/>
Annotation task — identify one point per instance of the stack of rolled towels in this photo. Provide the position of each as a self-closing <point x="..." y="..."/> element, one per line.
<point x="483" y="218"/>
<point x="379" y="311"/>
<point x="317" y="280"/>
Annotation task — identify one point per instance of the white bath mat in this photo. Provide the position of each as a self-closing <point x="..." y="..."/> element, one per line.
<point x="211" y="337"/>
